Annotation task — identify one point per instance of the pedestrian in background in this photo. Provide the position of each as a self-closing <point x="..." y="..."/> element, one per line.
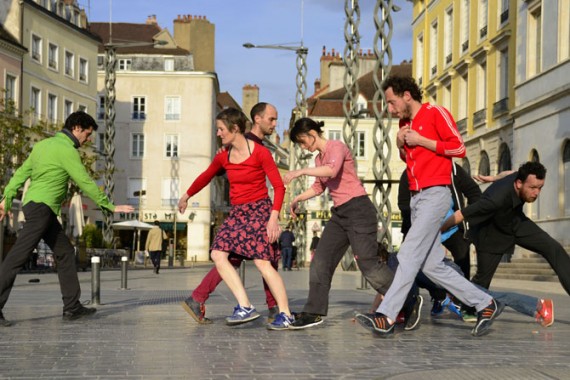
<point x="286" y="242"/>
<point x="156" y="236"/>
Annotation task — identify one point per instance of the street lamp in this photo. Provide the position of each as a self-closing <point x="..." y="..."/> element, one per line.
<point x="296" y="159"/>
<point x="109" y="139"/>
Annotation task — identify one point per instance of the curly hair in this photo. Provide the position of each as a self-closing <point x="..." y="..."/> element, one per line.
<point x="400" y="85"/>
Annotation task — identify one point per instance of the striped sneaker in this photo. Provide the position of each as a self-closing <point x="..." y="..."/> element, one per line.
<point x="281" y="322"/>
<point x="242" y="315"/>
<point x="486" y="316"/>
<point x="376" y="322"/>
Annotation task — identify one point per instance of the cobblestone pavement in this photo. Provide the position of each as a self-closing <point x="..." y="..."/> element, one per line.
<point x="143" y="333"/>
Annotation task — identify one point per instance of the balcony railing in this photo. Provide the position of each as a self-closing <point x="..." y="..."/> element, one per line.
<point x="483" y="32"/>
<point x="462" y="125"/>
<point x="500" y="107"/>
<point x="479" y="117"/>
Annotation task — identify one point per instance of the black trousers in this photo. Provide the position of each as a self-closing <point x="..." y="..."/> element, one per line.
<point x="529" y="236"/>
<point x="42" y="223"/>
<point x="155" y="257"/>
<point x="459" y="248"/>
<point x="354" y="223"/>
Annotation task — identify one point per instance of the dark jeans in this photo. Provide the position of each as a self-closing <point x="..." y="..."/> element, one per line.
<point x="529" y="236"/>
<point x="155" y="257"/>
<point x="42" y="223"/>
<point x="287" y="257"/>
<point x="459" y="248"/>
<point x="354" y="223"/>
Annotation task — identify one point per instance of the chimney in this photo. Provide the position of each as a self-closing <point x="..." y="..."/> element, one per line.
<point x="151" y="20"/>
<point x="250" y="97"/>
<point x="317" y="85"/>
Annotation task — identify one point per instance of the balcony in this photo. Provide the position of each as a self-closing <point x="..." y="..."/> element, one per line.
<point x="504" y="16"/>
<point x="479" y="118"/>
<point x="483" y="32"/>
<point x="465" y="46"/>
<point x="462" y="125"/>
<point x="501" y="107"/>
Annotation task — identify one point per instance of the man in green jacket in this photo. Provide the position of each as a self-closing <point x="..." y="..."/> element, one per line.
<point x="50" y="166"/>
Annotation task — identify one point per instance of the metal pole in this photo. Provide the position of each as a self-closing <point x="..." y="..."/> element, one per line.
<point x="124" y="264"/>
<point x="171" y="255"/>
<point x="95" y="280"/>
<point x="109" y="140"/>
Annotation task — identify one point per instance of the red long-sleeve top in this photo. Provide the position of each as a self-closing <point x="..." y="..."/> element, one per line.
<point x="247" y="179"/>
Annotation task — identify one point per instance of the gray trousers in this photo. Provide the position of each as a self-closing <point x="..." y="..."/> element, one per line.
<point x="354" y="223"/>
<point x="422" y="250"/>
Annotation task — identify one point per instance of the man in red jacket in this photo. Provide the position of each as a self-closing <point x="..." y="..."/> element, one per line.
<point x="427" y="140"/>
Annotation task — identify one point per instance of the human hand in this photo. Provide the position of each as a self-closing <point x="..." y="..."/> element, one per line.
<point x="484" y="178"/>
<point x="124" y="208"/>
<point x="273" y="230"/>
<point x="412" y="138"/>
<point x="182" y="204"/>
<point x="290" y="176"/>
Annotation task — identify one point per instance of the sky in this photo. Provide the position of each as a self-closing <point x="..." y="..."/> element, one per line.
<point x="316" y="23"/>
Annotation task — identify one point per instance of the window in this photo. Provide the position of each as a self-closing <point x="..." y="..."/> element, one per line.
<point x="483" y="18"/>
<point x="170" y="193"/>
<point x="69" y="58"/>
<point x="169" y="64"/>
<point x="172" y="108"/>
<point x="52" y="56"/>
<point x="138" y="186"/>
<point x="36" y="48"/>
<point x="433" y="49"/>
<point x="484" y="164"/>
<point x="420" y="59"/>
<point x="101" y="142"/>
<point x="35" y="101"/>
<point x="466" y="165"/>
<point x="566" y="163"/>
<point x="139" y="108"/>
<point x="53" y="6"/>
<point x="334" y="135"/>
<point x="83" y="69"/>
<point x="52" y="108"/>
<point x="534" y="58"/>
<point x="534" y="157"/>
<point x="481" y="84"/>
<point x="125" y="64"/>
<point x="360" y="144"/>
<point x="465" y="25"/>
<point x="82" y="108"/>
<point x="137" y="145"/>
<point x="503" y="80"/>
<point x="448" y="35"/>
<point x="171" y="147"/>
<point x="564" y="30"/>
<point x="446" y="99"/>
<point x="504" y="12"/>
<point x="67" y="108"/>
<point x="101" y="110"/>
<point x="504" y="158"/>
<point x="463" y="96"/>
<point x="10" y="94"/>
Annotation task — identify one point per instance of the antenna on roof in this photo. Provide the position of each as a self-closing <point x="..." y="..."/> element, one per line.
<point x="110" y="22"/>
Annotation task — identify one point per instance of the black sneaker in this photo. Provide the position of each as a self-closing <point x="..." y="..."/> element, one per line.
<point x="272" y="313"/>
<point x="413" y="319"/>
<point x="3" y="321"/>
<point x="376" y="322"/>
<point x="79" y="312"/>
<point x="486" y="316"/>
<point x="197" y="310"/>
<point x="306" y="320"/>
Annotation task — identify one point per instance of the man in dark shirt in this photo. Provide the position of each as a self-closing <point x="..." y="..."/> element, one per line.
<point x="498" y="223"/>
<point x="286" y="241"/>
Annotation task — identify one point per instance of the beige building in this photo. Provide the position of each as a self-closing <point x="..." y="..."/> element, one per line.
<point x="165" y="135"/>
<point x="11" y="55"/>
<point x="59" y="71"/>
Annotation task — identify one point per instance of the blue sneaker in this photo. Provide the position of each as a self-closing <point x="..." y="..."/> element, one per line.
<point x="281" y="322"/>
<point x="455" y="309"/>
<point x="439" y="307"/>
<point x="242" y="315"/>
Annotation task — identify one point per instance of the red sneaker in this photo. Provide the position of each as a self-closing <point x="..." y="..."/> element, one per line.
<point x="545" y="316"/>
<point x="401" y="318"/>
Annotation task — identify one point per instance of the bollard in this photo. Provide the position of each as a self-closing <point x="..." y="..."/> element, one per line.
<point x="95" y="281"/>
<point x="363" y="283"/>
<point x="242" y="272"/>
<point x="124" y="263"/>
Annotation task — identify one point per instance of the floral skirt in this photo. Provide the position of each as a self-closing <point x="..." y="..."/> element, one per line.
<point x="244" y="232"/>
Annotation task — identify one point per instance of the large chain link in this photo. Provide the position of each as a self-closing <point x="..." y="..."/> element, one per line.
<point x="109" y="140"/>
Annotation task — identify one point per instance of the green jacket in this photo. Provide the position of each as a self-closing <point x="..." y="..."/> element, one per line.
<point x="51" y="164"/>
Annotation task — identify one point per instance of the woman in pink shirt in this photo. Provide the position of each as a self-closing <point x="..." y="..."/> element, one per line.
<point x="353" y="222"/>
<point x="252" y="226"/>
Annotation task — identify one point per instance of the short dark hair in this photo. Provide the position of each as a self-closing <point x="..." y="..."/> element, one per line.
<point x="303" y="126"/>
<point x="80" y="119"/>
<point x="531" y="167"/>
<point x="233" y="117"/>
<point x="257" y="109"/>
<point x="156" y="223"/>
<point x="400" y="85"/>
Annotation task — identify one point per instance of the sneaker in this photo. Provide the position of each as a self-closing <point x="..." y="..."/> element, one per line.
<point x="272" y="313"/>
<point x="305" y="320"/>
<point x="281" y="322"/>
<point x="242" y="315"/>
<point x="455" y="309"/>
<point x="401" y="319"/>
<point x="3" y="321"/>
<point x="439" y="306"/>
<point x="414" y="317"/>
<point x="197" y="310"/>
<point x="545" y="316"/>
<point x="468" y="317"/>
<point x="79" y="311"/>
<point x="486" y="316"/>
<point x="377" y="323"/>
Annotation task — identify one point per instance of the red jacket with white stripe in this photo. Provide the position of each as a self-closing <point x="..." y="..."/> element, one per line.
<point x="426" y="168"/>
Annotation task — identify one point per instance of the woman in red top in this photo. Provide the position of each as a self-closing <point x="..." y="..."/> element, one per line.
<point x="252" y="225"/>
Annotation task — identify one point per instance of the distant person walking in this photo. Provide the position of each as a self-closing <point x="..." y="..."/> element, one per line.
<point x="286" y="241"/>
<point x="51" y="164"/>
<point x="154" y="240"/>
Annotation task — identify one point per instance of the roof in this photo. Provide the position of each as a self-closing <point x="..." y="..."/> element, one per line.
<point x="330" y="103"/>
<point x="10" y="39"/>
<point x="130" y="33"/>
<point x="225" y="100"/>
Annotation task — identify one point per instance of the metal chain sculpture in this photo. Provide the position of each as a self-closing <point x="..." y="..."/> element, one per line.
<point x="382" y="143"/>
<point x="109" y="139"/>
